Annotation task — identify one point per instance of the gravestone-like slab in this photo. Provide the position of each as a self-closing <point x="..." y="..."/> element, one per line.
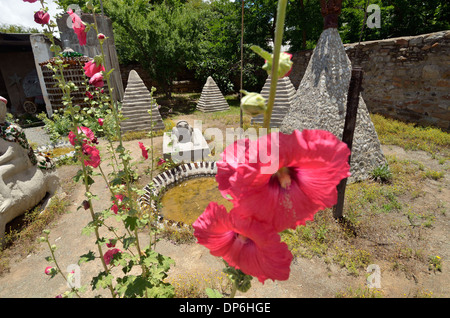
<point x="211" y="99"/>
<point x="284" y="98"/>
<point x="321" y="104"/>
<point x="136" y="103"/>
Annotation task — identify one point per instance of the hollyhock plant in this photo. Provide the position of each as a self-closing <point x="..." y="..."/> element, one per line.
<point x="91" y="68"/>
<point x="144" y="150"/>
<point x="78" y="27"/>
<point x="41" y="17"/>
<point x="244" y="243"/>
<point x="309" y="166"/>
<point x="97" y="80"/>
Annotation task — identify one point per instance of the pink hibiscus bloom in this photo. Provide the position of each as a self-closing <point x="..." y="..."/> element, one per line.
<point x="41" y="17"/>
<point x="302" y="178"/>
<point x="108" y="256"/>
<point x="244" y="243"/>
<point x="144" y="150"/>
<point x="93" y="156"/>
<point x="90" y="68"/>
<point x="78" y="27"/>
<point x="97" y="80"/>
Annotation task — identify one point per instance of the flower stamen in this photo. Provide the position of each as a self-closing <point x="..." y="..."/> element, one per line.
<point x="283" y="177"/>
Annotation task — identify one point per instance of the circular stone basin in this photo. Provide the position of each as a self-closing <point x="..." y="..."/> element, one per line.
<point x="193" y="185"/>
<point x="187" y="200"/>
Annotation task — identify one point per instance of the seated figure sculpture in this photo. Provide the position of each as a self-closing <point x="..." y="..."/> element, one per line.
<point x="25" y="177"/>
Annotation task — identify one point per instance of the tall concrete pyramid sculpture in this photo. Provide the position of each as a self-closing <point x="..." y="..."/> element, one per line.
<point x="211" y="99"/>
<point x="322" y="100"/>
<point x="284" y="98"/>
<point x="136" y="103"/>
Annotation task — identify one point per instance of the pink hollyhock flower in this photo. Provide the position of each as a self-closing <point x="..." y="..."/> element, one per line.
<point x="78" y="27"/>
<point x="108" y="256"/>
<point x="112" y="243"/>
<point x="100" y="121"/>
<point x="30" y="1"/>
<point x="41" y="17"/>
<point x="115" y="207"/>
<point x="90" y="68"/>
<point x="72" y="138"/>
<point x="144" y="150"/>
<point x="89" y="95"/>
<point x="93" y="156"/>
<point x="161" y="161"/>
<point x="87" y="132"/>
<point x="302" y="181"/>
<point x="244" y="243"/>
<point x="97" y="80"/>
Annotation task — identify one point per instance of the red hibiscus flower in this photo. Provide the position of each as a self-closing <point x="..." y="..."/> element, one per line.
<point x="90" y="68"/>
<point x="41" y="17"/>
<point x="97" y="80"/>
<point x="244" y="243"/>
<point x="288" y="189"/>
<point x="78" y="27"/>
<point x="144" y="150"/>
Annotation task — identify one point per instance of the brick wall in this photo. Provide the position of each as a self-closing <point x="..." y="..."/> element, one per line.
<point x="406" y="78"/>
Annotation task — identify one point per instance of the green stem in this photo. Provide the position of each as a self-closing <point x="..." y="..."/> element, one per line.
<point x="279" y="29"/>
<point x="57" y="266"/>
<point x="233" y="290"/>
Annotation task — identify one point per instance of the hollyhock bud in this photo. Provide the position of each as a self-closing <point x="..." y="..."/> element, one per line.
<point x="49" y="270"/>
<point x="144" y="150"/>
<point x="30" y="1"/>
<point x="101" y="36"/>
<point x="161" y="161"/>
<point x="100" y="121"/>
<point x="89" y="95"/>
<point x="97" y="80"/>
<point x="284" y="65"/>
<point x="86" y="204"/>
<point x="253" y="103"/>
<point x="41" y="17"/>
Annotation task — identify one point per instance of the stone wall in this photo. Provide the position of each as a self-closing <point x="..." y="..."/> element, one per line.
<point x="406" y="78"/>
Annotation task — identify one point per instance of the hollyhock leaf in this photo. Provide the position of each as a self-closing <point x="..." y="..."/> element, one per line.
<point x="90" y="256"/>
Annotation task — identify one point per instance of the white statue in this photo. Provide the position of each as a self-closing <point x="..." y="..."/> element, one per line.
<point x="25" y="178"/>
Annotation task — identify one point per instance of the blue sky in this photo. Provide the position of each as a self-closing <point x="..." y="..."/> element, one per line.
<point x="22" y="13"/>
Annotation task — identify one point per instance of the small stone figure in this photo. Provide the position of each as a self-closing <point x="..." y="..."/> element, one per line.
<point x="25" y="178"/>
<point x="183" y="131"/>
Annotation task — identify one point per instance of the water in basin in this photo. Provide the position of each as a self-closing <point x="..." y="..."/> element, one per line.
<point x="187" y="200"/>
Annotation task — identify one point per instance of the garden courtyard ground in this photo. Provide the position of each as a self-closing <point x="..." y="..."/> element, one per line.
<point x="401" y="225"/>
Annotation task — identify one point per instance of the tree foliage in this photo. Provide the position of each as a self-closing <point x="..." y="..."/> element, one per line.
<point x="168" y="36"/>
